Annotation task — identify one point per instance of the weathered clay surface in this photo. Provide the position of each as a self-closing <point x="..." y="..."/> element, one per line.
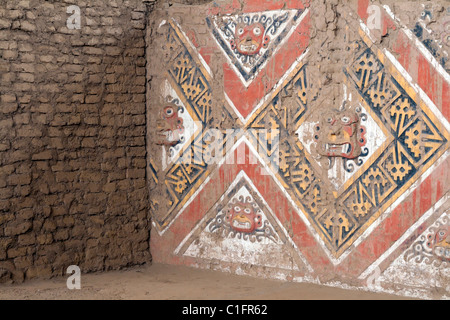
<point x="331" y="113"/>
<point x="72" y="138"/>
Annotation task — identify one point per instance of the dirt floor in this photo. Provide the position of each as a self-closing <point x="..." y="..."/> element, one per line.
<point x="162" y="282"/>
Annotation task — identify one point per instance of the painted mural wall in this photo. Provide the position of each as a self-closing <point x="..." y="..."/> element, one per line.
<point x="303" y="141"/>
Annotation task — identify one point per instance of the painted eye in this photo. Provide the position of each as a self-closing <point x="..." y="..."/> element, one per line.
<point x="345" y="119"/>
<point x="237" y="209"/>
<point x="257" y="31"/>
<point x="329" y="119"/>
<point x="169" y="112"/>
<point x="248" y="211"/>
<point x="240" y="31"/>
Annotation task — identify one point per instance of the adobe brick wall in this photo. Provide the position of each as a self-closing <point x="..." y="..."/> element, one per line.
<point x="72" y="138"/>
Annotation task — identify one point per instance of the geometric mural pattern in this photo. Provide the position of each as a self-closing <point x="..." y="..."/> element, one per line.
<point x="433" y="246"/>
<point x="278" y="125"/>
<point x="189" y="169"/>
<point x="416" y="140"/>
<point x="275" y="27"/>
<point x="223" y="235"/>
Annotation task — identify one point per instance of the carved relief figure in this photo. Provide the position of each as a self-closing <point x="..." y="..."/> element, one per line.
<point x="433" y="246"/>
<point x="243" y="218"/>
<point x="340" y="134"/>
<point x="433" y="30"/>
<point x="169" y="126"/>
<point x="440" y="243"/>
<point x="249" y="39"/>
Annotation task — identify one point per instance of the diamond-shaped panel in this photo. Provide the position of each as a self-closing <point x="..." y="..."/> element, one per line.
<point x="342" y="196"/>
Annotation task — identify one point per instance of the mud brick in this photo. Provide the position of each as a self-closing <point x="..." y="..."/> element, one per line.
<point x="29" y="131"/>
<point x="88" y="143"/>
<point x="27" y="202"/>
<point x="10" y="54"/>
<point x="22" y="191"/>
<point x="18" y="228"/>
<point x="136" y="15"/>
<point x="23" y="262"/>
<point x="94" y="79"/>
<point x="66" y="176"/>
<point x="73" y="68"/>
<point x="20" y="119"/>
<point x="91" y="176"/>
<point x="111" y="108"/>
<point x="19" y="179"/>
<point x="8" y="98"/>
<point x="8" y="108"/>
<point x="109" y="187"/>
<point x="40" y="119"/>
<point x="27" y="57"/>
<point x="43" y="272"/>
<point x="27" y="239"/>
<point x="136" y="151"/>
<point x="16" y="252"/>
<point x="139" y="163"/>
<point x="5" y="125"/>
<point x="45" y="155"/>
<point x="68" y="221"/>
<point x="93" y="51"/>
<point x="17" y="156"/>
<point x="74" y="87"/>
<point x="23" y="168"/>
<point x="5" y="24"/>
<point x="136" y="173"/>
<point x="93" y="98"/>
<point x="61" y="235"/>
<point x="91" y="120"/>
<point x="59" y="211"/>
<point x="7" y="77"/>
<point x="26" y="77"/>
<point x="44" y="239"/>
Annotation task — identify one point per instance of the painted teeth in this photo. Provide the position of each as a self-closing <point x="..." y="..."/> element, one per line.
<point x="248" y="47"/>
<point x="240" y="225"/>
<point x="345" y="148"/>
<point x="169" y="135"/>
<point x="442" y="252"/>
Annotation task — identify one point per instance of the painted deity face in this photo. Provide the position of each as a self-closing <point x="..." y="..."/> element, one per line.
<point x="442" y="244"/>
<point x="243" y="218"/>
<point x="169" y="126"/>
<point x="249" y="39"/>
<point x="340" y="134"/>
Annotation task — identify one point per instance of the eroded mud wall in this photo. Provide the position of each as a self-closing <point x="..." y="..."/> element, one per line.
<point x="302" y="140"/>
<point x="72" y="137"/>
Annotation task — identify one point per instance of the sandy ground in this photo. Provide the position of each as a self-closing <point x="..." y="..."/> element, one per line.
<point x="162" y="282"/>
